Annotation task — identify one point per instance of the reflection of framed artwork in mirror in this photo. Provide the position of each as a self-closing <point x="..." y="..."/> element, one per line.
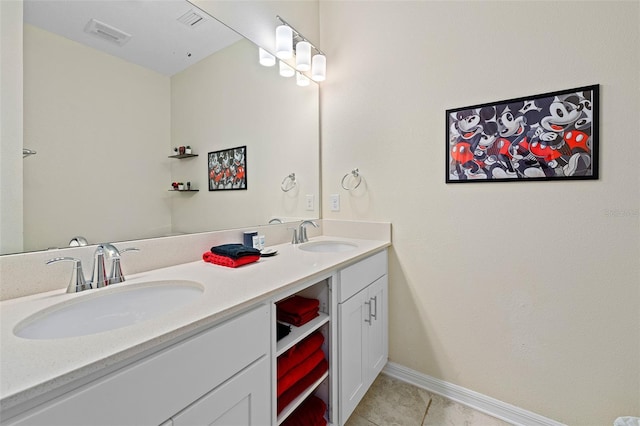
<point x="228" y="169"/>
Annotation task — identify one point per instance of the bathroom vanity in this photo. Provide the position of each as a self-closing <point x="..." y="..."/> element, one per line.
<point x="212" y="360"/>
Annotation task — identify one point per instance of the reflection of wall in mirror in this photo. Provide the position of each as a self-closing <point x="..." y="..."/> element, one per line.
<point x="104" y="154"/>
<point x="217" y="107"/>
<point x="101" y="128"/>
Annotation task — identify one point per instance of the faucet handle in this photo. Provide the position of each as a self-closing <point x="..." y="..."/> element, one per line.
<point x="99" y="274"/>
<point x="116" y="275"/>
<point x="294" y="238"/>
<point x="77" y="282"/>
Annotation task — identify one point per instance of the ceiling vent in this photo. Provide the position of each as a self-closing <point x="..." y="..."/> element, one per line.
<point x="107" y="32"/>
<point x="191" y="18"/>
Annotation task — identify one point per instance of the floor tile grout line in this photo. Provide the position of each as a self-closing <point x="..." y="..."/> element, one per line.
<point x="426" y="412"/>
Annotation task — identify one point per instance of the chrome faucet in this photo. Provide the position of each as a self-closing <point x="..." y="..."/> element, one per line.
<point x="99" y="276"/>
<point x="302" y="232"/>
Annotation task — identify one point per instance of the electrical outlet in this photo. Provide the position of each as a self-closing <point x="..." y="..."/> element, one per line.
<point x="334" y="200"/>
<point x="310" y="203"/>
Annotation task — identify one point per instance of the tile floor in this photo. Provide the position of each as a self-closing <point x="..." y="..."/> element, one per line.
<point x="392" y="402"/>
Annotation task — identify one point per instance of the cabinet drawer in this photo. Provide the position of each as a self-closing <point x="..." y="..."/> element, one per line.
<point x="153" y="389"/>
<point x="356" y="277"/>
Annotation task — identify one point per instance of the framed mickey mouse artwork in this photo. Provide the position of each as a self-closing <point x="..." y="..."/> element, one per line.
<point x="551" y="136"/>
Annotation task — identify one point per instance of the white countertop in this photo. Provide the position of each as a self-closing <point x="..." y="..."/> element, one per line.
<point x="30" y="368"/>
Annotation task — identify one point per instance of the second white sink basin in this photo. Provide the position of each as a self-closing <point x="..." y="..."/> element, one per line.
<point x="108" y="310"/>
<point x="327" y="246"/>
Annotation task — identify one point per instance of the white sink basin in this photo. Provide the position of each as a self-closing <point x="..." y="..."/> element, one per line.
<point x="327" y="246"/>
<point x="103" y="310"/>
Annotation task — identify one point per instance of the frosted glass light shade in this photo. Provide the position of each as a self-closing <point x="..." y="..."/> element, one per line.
<point x="319" y="67"/>
<point x="286" y="70"/>
<point x="266" y="58"/>
<point x="284" y="42"/>
<point x="302" y="80"/>
<point x="303" y="56"/>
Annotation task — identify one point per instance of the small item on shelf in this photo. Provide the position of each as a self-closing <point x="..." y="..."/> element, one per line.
<point x="174" y="185"/>
<point x="180" y="186"/>
<point x="175" y="151"/>
<point x="181" y="150"/>
<point x="187" y="150"/>
<point x="310" y="413"/>
<point x="189" y="186"/>
<point x="297" y="310"/>
<point x="282" y="331"/>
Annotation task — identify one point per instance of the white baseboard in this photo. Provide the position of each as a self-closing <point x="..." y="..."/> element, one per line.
<point x="475" y="400"/>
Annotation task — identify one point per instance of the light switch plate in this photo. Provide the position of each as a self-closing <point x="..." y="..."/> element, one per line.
<point x="334" y="200"/>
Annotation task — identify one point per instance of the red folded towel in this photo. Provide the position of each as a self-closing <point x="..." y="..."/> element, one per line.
<point x="299" y="352"/>
<point x="295" y="319"/>
<point x="299" y="371"/>
<point x="295" y="390"/>
<point x="309" y="413"/>
<point x="227" y="261"/>
<point x="298" y="305"/>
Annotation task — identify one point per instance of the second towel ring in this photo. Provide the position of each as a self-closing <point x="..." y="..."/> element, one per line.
<point x="356" y="175"/>
<point x="288" y="183"/>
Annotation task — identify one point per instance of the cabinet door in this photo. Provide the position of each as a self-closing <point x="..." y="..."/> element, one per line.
<point x="352" y="367"/>
<point x="242" y="401"/>
<point x="377" y="347"/>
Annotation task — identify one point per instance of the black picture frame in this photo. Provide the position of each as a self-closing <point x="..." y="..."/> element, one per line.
<point x="545" y="137"/>
<point x="227" y="169"/>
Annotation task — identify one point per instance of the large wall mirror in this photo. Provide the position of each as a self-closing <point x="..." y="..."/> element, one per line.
<point x="111" y="87"/>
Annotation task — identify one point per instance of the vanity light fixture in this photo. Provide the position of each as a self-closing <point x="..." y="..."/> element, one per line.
<point x="287" y="38"/>
<point x="286" y="70"/>
<point x="319" y="67"/>
<point x="303" y="56"/>
<point x="284" y="41"/>
<point x="266" y="58"/>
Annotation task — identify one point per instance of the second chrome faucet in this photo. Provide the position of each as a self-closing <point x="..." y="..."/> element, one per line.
<point x="300" y="234"/>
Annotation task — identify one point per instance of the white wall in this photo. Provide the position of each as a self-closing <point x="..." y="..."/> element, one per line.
<point x="101" y="127"/>
<point x="11" y="222"/>
<point x="526" y="292"/>
<point x="229" y="100"/>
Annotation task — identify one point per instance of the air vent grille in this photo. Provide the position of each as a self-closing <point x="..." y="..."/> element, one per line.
<point x="191" y="18"/>
<point x="107" y="32"/>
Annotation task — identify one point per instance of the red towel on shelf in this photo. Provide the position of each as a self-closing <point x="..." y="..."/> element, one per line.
<point x="227" y="261"/>
<point x="309" y="413"/>
<point x="297" y="310"/>
<point x="295" y="319"/>
<point x="299" y="371"/>
<point x="299" y="352"/>
<point x="295" y="390"/>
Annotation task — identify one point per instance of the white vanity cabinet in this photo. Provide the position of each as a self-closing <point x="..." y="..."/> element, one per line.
<point x="362" y="329"/>
<point x="218" y="376"/>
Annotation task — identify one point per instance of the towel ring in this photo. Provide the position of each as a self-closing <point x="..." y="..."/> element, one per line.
<point x="356" y="175"/>
<point x="290" y="183"/>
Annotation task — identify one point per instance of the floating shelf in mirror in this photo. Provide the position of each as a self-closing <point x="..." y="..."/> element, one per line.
<point x="184" y="190"/>
<point x="183" y="156"/>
